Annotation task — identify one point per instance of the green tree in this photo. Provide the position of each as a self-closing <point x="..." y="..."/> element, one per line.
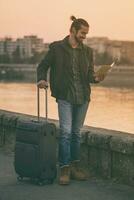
<point x="4" y="58"/>
<point x="37" y="57"/>
<point x="16" y="55"/>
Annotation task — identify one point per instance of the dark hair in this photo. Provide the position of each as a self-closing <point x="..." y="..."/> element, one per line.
<point x="77" y="23"/>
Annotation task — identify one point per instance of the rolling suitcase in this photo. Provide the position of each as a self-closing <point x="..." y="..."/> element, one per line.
<point x="35" y="149"/>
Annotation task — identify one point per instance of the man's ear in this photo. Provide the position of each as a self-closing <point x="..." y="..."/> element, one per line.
<point x="73" y="30"/>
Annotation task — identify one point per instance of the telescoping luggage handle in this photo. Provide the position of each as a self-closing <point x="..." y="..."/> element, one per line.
<point x="38" y="104"/>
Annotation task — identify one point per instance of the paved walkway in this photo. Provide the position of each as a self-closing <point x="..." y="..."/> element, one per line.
<point x="10" y="189"/>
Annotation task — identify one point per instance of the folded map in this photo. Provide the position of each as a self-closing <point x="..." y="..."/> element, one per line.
<point x="103" y="70"/>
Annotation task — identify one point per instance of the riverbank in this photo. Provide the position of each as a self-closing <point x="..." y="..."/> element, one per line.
<point x="110" y="108"/>
<point x="120" y="76"/>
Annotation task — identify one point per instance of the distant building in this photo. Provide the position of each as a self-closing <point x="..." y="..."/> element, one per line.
<point x="114" y="49"/>
<point x="123" y="50"/>
<point x="26" y="46"/>
<point x="99" y="44"/>
<point x="46" y="46"/>
<point x="29" y="45"/>
<point x="127" y="51"/>
<point x="2" y="49"/>
<point x="37" y="44"/>
<point x="7" y="46"/>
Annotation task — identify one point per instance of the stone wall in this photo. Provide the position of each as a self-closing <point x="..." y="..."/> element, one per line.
<point x="105" y="153"/>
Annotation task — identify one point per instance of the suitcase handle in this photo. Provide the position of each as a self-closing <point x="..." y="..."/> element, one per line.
<point x="38" y="103"/>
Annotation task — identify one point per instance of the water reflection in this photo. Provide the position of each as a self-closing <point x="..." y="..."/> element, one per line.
<point x="110" y="108"/>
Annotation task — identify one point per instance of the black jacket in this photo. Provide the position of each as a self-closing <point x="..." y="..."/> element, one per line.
<point x="58" y="59"/>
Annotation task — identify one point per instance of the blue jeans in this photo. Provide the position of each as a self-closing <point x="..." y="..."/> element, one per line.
<point x="71" y="119"/>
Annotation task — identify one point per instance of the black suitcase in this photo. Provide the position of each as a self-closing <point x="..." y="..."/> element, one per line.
<point x="35" y="149"/>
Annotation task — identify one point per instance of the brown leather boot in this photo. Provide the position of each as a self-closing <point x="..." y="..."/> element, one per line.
<point x="78" y="173"/>
<point x="64" y="178"/>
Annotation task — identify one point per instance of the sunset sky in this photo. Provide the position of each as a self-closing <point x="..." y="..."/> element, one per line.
<point x="50" y="19"/>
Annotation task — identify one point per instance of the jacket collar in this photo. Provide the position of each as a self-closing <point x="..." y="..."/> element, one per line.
<point x="66" y="45"/>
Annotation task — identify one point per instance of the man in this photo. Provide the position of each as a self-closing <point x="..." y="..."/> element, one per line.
<point x="71" y="72"/>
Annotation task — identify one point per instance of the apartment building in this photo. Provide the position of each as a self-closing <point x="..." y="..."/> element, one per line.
<point x="123" y="50"/>
<point x="36" y="43"/>
<point x="2" y="49"/>
<point x="7" y="46"/>
<point x="25" y="46"/>
<point x="127" y="51"/>
<point x="99" y="44"/>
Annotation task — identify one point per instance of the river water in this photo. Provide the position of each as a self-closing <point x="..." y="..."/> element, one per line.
<point x="111" y="108"/>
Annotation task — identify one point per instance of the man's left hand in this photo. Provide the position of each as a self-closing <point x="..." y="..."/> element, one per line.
<point x="99" y="78"/>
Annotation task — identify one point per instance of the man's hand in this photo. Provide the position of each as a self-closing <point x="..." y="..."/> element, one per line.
<point x="99" y="78"/>
<point x="42" y="84"/>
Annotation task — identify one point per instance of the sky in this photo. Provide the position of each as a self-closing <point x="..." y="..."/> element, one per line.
<point x="50" y="19"/>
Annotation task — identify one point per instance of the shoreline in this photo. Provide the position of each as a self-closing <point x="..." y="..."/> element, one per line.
<point x="102" y="84"/>
<point x="119" y="77"/>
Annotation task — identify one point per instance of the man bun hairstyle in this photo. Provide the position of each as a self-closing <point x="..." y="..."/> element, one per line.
<point x="78" y="22"/>
<point x="73" y="18"/>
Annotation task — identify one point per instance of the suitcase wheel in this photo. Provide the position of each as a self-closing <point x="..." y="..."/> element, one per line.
<point x="20" y="178"/>
<point x="44" y="182"/>
<point x="40" y="183"/>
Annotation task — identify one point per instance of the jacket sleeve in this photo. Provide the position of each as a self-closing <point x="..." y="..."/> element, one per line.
<point x="91" y="73"/>
<point x="44" y="65"/>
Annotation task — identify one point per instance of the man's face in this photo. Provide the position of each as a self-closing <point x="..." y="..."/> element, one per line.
<point x="80" y="35"/>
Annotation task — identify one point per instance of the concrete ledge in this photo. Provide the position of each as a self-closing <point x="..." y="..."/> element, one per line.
<point x="105" y="153"/>
<point x="111" y="155"/>
<point x="124" y="144"/>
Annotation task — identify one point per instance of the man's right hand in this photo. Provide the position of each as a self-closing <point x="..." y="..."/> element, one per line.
<point x="42" y="84"/>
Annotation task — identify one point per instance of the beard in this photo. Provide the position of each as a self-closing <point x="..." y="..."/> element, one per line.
<point x="78" y="40"/>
